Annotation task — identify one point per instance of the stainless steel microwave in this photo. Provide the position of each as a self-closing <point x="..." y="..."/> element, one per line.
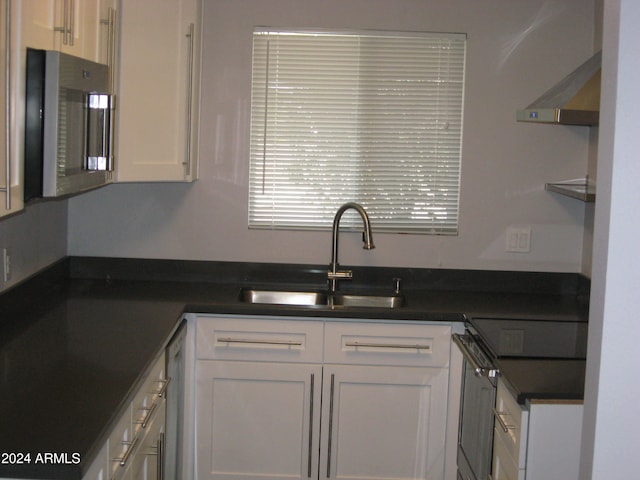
<point x="68" y="125"/>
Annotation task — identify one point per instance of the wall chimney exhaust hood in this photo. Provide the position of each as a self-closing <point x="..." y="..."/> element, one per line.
<point x="575" y="100"/>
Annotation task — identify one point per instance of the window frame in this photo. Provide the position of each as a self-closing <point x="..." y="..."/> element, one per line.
<point x="308" y="218"/>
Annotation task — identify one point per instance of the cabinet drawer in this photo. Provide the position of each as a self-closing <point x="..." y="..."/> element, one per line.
<point x="149" y="396"/>
<point x="120" y="446"/>
<point x="504" y="466"/>
<point x="376" y="344"/>
<point x="511" y="422"/>
<point x="245" y="338"/>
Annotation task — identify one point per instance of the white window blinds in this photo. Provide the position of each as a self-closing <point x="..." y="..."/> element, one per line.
<point x="374" y="118"/>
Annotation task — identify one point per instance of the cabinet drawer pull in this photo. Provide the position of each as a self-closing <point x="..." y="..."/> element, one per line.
<point x="131" y="447"/>
<point x="310" y="457"/>
<point x="158" y="449"/>
<point x="291" y="343"/>
<point x="163" y="389"/>
<point x="190" y="59"/>
<point x="501" y="421"/>
<point x="330" y="436"/>
<point x="68" y="23"/>
<point x="144" y="421"/>
<point x="388" y="345"/>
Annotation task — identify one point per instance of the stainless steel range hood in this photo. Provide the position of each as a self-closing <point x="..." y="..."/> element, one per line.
<point x="575" y="100"/>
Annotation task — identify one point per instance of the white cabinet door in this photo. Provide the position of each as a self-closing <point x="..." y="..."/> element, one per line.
<point x="69" y="26"/>
<point x="37" y="23"/>
<point x="383" y="422"/>
<point x="77" y="28"/>
<point x="12" y="66"/>
<point x="268" y="408"/>
<point x="538" y="441"/>
<point x="257" y="420"/>
<point x="158" y="90"/>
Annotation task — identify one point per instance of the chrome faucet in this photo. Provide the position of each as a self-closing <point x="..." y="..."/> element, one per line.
<point x="334" y="274"/>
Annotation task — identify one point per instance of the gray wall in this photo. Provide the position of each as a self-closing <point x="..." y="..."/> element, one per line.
<point x="36" y="236"/>
<point x="611" y="430"/>
<point x="516" y="50"/>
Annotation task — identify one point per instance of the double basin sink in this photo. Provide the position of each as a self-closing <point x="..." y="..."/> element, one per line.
<point x="320" y="299"/>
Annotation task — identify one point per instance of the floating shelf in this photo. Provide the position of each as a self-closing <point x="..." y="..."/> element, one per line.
<point x="581" y="191"/>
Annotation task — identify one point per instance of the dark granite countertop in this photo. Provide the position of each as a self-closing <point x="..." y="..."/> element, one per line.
<point x="75" y="339"/>
<point x="540" y="379"/>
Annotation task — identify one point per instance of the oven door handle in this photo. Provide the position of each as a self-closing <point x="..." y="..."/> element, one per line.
<point x="480" y="371"/>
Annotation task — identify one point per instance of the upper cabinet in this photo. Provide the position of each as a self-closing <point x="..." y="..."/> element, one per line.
<point x="70" y="26"/>
<point x="12" y="64"/>
<point x="11" y="187"/>
<point x="77" y="26"/>
<point x="157" y="90"/>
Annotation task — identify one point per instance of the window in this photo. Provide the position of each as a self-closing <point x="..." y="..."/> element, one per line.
<point x="372" y="117"/>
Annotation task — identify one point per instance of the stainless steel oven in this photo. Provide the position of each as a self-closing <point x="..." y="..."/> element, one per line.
<point x="475" y="436"/>
<point x="485" y="342"/>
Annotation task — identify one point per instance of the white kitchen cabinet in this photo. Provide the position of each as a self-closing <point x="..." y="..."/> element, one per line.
<point x="134" y="449"/>
<point x="12" y="101"/>
<point x="71" y="26"/>
<point x="147" y="463"/>
<point x="257" y="420"/>
<point x="258" y="387"/>
<point x="292" y="398"/>
<point x="157" y="90"/>
<point x="536" y="441"/>
<point x="35" y="24"/>
<point x="383" y="422"/>
<point x="100" y="466"/>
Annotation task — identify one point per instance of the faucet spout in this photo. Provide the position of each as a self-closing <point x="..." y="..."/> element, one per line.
<point x="334" y="274"/>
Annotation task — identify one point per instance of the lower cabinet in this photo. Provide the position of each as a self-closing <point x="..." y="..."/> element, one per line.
<point x="148" y="461"/>
<point x="134" y="450"/>
<point x="257" y="420"/>
<point x="279" y="398"/>
<point x="537" y="441"/>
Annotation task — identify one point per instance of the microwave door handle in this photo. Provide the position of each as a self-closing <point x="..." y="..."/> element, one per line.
<point x="99" y="106"/>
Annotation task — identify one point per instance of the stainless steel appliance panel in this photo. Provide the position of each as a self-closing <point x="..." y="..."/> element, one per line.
<point x="475" y="435"/>
<point x="69" y="128"/>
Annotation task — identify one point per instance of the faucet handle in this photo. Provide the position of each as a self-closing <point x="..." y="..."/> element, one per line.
<point x="340" y="275"/>
<point x="396" y="285"/>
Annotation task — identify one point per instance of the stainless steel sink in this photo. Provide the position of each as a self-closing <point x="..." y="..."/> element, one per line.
<point x="376" y="301"/>
<point x="313" y="299"/>
<point x="283" y="297"/>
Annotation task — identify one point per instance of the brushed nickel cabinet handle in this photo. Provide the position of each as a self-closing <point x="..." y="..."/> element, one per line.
<point x="159" y="447"/>
<point x="144" y="421"/>
<point x="330" y="436"/>
<point x="501" y="421"/>
<point x="110" y="54"/>
<point x="67" y="18"/>
<point x="310" y="454"/>
<point x="388" y="345"/>
<point x="292" y="343"/>
<point x="190" y="36"/>
<point x="72" y="21"/>
<point x="163" y="389"/>
<point x="131" y="447"/>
